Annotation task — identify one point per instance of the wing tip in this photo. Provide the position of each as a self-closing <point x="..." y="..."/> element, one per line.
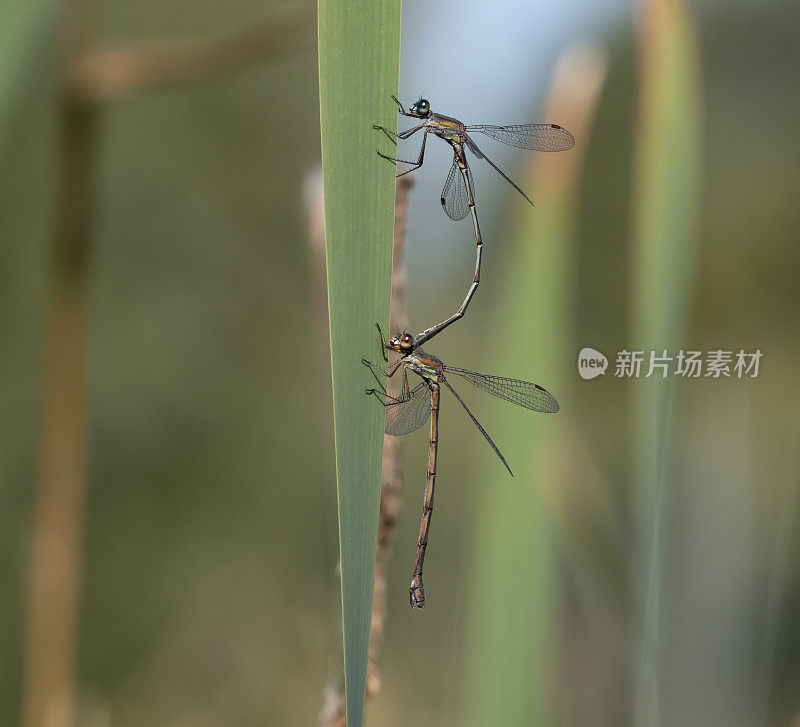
<point x="552" y="403"/>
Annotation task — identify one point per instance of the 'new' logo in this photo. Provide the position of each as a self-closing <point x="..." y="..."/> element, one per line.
<point x="591" y="363"/>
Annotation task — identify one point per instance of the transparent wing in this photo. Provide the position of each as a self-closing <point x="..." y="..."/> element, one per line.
<point x="480" y="428"/>
<point x="522" y="393"/>
<point x="455" y="198"/>
<point x="409" y="415"/>
<point x="538" y="137"/>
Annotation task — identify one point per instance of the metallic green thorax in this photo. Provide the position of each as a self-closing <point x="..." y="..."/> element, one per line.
<point x="446" y="127"/>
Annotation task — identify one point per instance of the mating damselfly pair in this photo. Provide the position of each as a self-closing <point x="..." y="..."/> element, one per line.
<point x="414" y="406"/>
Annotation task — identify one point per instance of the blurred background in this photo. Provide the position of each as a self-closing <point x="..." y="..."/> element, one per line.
<point x="642" y="566"/>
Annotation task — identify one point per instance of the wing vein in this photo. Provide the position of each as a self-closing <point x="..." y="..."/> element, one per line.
<point x="536" y="137"/>
<point x="523" y="393"/>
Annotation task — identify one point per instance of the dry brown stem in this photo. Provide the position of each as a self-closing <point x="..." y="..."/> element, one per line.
<point x="104" y="74"/>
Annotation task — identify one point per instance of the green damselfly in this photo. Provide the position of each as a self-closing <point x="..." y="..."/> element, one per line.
<point x="412" y="408"/>
<point x="458" y="193"/>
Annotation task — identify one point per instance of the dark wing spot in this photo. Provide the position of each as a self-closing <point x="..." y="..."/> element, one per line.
<point x="554" y="126"/>
<point x="540" y="388"/>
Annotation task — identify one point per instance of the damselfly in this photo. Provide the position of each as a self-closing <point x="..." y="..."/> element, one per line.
<point x="458" y="193"/>
<point x="410" y="410"/>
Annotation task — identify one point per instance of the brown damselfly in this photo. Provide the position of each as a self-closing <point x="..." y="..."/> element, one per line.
<point x="458" y="193"/>
<point x="412" y="408"/>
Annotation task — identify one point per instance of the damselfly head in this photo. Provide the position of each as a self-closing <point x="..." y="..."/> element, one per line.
<point x="401" y="342"/>
<point x="421" y="108"/>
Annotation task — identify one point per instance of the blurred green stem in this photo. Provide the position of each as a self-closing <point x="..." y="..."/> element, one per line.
<point x="665" y="209"/>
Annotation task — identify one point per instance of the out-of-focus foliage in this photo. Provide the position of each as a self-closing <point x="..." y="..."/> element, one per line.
<point x="665" y="206"/>
<point x="25" y="34"/>
<point x="510" y="670"/>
